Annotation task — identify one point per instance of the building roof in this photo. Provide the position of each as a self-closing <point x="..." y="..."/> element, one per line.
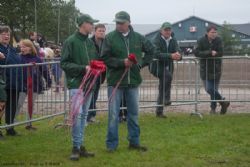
<point x="240" y="28"/>
<point x="244" y="28"/>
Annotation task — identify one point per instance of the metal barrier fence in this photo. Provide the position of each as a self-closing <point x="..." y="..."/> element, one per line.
<point x="35" y="93"/>
<point x="187" y="92"/>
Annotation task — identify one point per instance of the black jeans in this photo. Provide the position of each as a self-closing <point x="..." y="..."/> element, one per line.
<point x="165" y="82"/>
<point x="92" y="106"/>
<point x="11" y="105"/>
<point x="123" y="112"/>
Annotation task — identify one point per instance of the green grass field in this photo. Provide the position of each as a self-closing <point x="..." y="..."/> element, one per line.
<point x="180" y="140"/>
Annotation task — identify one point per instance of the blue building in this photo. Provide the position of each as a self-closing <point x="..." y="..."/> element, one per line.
<point x="189" y="30"/>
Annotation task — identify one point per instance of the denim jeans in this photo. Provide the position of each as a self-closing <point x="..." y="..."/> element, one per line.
<point x="132" y="99"/>
<point x="211" y="87"/>
<point x="164" y="88"/>
<point x="79" y="125"/>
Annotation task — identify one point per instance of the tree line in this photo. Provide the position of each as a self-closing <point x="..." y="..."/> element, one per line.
<point x="55" y="19"/>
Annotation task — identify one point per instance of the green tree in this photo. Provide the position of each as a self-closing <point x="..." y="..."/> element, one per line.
<point x="230" y="39"/>
<point x="20" y="16"/>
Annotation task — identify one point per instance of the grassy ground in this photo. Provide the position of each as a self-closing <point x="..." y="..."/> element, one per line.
<point x="179" y="140"/>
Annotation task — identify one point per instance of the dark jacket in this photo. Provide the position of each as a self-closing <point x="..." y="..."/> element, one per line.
<point x="36" y="72"/>
<point x="210" y="67"/>
<point x="116" y="48"/>
<point x="11" y="75"/>
<point x="163" y="54"/>
<point x="77" y="52"/>
<point x="99" y="50"/>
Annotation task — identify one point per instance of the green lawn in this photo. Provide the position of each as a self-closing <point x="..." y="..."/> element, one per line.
<point x="180" y="140"/>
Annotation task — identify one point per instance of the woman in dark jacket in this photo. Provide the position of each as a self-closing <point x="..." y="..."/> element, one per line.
<point x="34" y="73"/>
<point x="11" y="77"/>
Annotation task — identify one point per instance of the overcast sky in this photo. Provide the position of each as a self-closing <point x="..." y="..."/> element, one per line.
<point x="158" y="11"/>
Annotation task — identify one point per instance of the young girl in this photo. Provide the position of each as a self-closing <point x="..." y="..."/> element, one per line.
<point x="31" y="74"/>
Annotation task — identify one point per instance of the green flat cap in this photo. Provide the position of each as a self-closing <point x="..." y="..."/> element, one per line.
<point x="122" y="17"/>
<point x="166" y="25"/>
<point x="85" y="18"/>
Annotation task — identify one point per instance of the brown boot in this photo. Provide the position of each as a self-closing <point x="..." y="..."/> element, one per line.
<point x="85" y="153"/>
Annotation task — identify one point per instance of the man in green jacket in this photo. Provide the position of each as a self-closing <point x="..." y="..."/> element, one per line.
<point x="77" y="52"/>
<point x="167" y="51"/>
<point x="118" y="44"/>
<point x="210" y="50"/>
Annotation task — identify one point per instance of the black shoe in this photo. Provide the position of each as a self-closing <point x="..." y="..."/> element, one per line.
<point x="161" y="115"/>
<point x="75" y="155"/>
<point x="85" y="153"/>
<point x="11" y="132"/>
<point x="224" y="106"/>
<point x="137" y="147"/>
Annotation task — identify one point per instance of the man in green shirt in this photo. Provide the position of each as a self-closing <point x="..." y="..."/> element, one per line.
<point x="77" y="52"/>
<point x="117" y="46"/>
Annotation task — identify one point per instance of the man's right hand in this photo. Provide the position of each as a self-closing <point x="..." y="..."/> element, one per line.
<point x="87" y="68"/>
<point x="128" y="63"/>
<point x="176" y="56"/>
<point x="214" y="53"/>
<point x="2" y="56"/>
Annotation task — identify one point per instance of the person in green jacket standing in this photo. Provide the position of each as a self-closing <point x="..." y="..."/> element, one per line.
<point x="167" y="51"/>
<point x="78" y="50"/>
<point x="210" y="50"/>
<point x="117" y="45"/>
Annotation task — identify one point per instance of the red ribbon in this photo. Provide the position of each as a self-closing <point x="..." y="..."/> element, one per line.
<point x="131" y="57"/>
<point x="89" y="79"/>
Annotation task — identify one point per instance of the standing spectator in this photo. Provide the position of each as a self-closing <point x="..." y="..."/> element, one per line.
<point x="98" y="38"/>
<point x="37" y="73"/>
<point x="210" y="50"/>
<point x="78" y="50"/>
<point x="12" y="77"/>
<point x="56" y="69"/>
<point x="33" y="38"/>
<point x="167" y="51"/>
<point x="117" y="46"/>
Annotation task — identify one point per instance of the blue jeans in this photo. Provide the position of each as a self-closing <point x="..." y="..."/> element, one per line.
<point x="132" y="99"/>
<point x="211" y="87"/>
<point x="79" y="125"/>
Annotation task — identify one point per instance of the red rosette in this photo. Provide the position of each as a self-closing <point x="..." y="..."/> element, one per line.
<point x="97" y="65"/>
<point x="132" y="57"/>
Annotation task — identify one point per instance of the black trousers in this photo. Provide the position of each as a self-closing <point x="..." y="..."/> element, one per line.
<point x="123" y="112"/>
<point x="164" y="88"/>
<point x="11" y="105"/>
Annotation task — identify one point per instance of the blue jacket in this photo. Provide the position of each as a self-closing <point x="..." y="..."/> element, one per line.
<point x="36" y="72"/>
<point x="12" y="75"/>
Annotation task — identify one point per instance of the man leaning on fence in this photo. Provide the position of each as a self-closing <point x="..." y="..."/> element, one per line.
<point x="78" y="50"/>
<point x="117" y="47"/>
<point x="210" y="50"/>
<point x="167" y="51"/>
